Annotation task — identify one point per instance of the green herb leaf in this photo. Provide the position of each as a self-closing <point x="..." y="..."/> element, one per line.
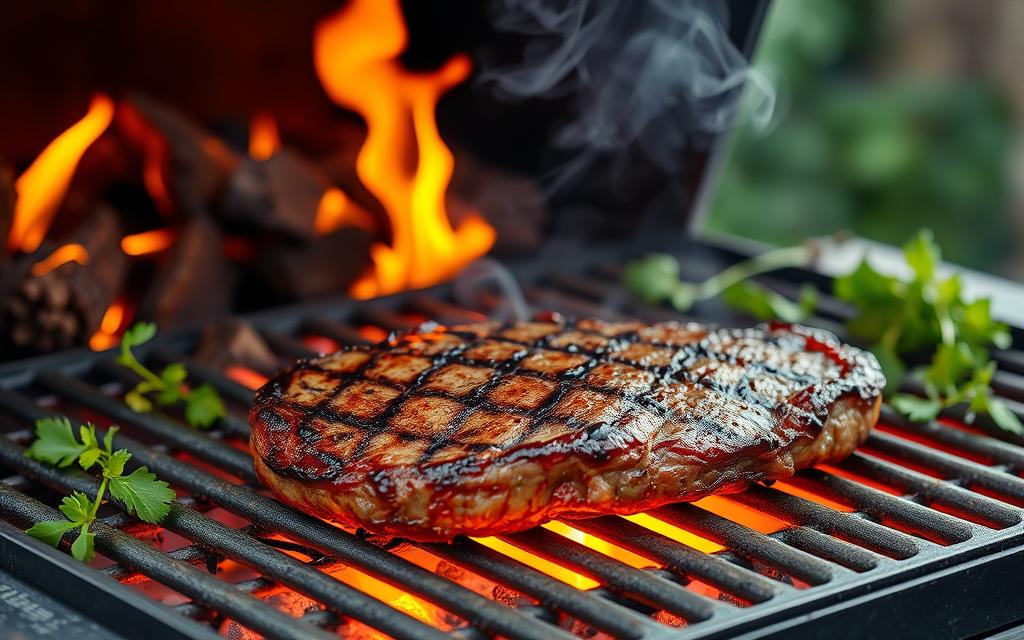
<point x="82" y="548"/>
<point x="923" y="255"/>
<point x="915" y="408"/>
<point x="55" y="442"/>
<point x="108" y="440"/>
<point x="51" y="531"/>
<point x="115" y="463"/>
<point x="138" y="402"/>
<point x="143" y="494"/>
<point x="655" y="277"/>
<point x="76" y="507"/>
<point x="764" y="304"/>
<point x="203" y="406"/>
<point x="140" y="333"/>
<point x="1004" y="418"/>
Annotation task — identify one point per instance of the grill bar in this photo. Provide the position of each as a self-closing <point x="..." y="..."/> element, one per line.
<point x="637" y="583"/>
<point x="928" y="489"/>
<point x="829" y="548"/>
<point x="746" y="542"/>
<point x="680" y="558"/>
<point x="971" y="473"/>
<point x="995" y="450"/>
<point x="797" y="510"/>
<point x="915" y="518"/>
<point x="602" y="614"/>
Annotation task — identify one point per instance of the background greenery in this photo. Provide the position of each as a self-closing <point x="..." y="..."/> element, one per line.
<point x="860" y="146"/>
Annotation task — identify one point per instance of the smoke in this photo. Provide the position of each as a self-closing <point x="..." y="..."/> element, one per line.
<point x="485" y="277"/>
<point x="650" y="73"/>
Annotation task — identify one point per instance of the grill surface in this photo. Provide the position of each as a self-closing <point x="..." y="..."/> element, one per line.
<point x="918" y="532"/>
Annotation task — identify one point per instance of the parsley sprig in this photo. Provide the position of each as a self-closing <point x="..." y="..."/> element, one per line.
<point x="655" y="278"/>
<point x="140" y="491"/>
<point x="925" y="317"/>
<point x="203" y="406"/>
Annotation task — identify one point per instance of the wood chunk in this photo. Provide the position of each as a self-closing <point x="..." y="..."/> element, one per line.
<point x="235" y="341"/>
<point x="280" y="194"/>
<point x="63" y="307"/>
<point x="198" y="164"/>
<point x="194" y="282"/>
<point x="327" y="266"/>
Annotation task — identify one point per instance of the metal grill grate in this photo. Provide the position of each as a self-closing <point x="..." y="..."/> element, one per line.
<point x="918" y="514"/>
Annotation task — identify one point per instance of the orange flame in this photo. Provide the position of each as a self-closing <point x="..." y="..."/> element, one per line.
<point x="403" y="161"/>
<point x="110" y="327"/>
<point x="42" y="187"/>
<point x="337" y="210"/>
<point x="263" y="137"/>
<point x="63" y="255"/>
<point x="147" y="242"/>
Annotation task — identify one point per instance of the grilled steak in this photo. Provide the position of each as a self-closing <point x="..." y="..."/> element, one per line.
<point x="491" y="428"/>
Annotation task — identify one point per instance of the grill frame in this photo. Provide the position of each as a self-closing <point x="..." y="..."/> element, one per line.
<point x="977" y="573"/>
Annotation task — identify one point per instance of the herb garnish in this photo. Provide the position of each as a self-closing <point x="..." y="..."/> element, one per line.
<point x="655" y="278"/>
<point x="903" y="320"/>
<point x="928" y="315"/>
<point x="203" y="405"/>
<point x="140" y="491"/>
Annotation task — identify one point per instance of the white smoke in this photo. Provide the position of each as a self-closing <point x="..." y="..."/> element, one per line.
<point x="645" y="72"/>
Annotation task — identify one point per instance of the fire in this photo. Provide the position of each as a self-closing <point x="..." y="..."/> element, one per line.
<point x="337" y="210"/>
<point x="67" y="253"/>
<point x="42" y="187"/>
<point x="552" y="569"/>
<point x="147" y="242"/>
<point x="403" y="161"/>
<point x="246" y="376"/>
<point x="110" y="327"/>
<point x="263" y="137"/>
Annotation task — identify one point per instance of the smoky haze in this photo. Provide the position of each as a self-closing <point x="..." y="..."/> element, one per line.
<point x="649" y="73"/>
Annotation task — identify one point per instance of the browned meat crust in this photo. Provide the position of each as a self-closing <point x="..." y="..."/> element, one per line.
<point x="495" y="428"/>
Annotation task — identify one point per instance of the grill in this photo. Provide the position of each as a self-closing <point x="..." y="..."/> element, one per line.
<point x="919" y="532"/>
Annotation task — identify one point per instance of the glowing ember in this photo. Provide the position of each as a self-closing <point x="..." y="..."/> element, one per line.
<point x="147" y="242"/>
<point x="602" y="546"/>
<point x="403" y="162"/>
<point x="110" y="327"/>
<point x="263" y="137"/>
<point x="63" y="255"/>
<point x="42" y="187"/>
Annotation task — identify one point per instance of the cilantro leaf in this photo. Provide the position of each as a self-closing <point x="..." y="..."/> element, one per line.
<point x="55" y="442"/>
<point x="203" y="406"/>
<point x="82" y="547"/>
<point x="51" y="531"/>
<point x="115" y="462"/>
<point x="915" y="408"/>
<point x="76" y="507"/>
<point x="143" y="494"/>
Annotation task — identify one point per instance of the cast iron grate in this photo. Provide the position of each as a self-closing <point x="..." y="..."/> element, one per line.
<point x="920" y="517"/>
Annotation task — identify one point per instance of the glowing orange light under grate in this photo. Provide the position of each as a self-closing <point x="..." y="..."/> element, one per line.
<point x="110" y="327"/>
<point x="403" y="162"/>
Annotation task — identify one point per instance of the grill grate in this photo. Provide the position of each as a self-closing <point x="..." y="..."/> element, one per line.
<point x="918" y="511"/>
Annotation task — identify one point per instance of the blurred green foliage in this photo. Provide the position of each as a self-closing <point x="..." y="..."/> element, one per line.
<point x="852" y="150"/>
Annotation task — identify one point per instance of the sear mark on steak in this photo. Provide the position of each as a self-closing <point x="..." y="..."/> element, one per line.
<point x="488" y="428"/>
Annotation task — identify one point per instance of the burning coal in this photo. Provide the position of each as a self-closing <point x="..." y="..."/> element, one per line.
<point x="650" y="74"/>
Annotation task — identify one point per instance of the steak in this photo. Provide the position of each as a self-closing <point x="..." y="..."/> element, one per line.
<point x="487" y="428"/>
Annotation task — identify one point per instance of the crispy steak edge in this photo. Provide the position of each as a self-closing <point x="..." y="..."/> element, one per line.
<point x="512" y="495"/>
